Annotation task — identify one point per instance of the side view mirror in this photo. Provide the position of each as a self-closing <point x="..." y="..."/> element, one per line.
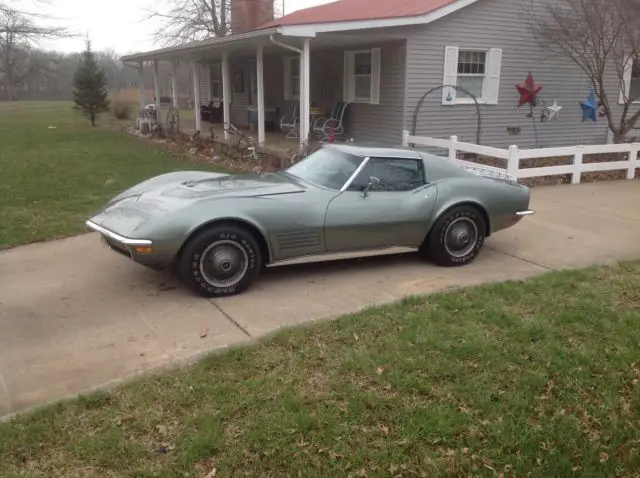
<point x="372" y="182"/>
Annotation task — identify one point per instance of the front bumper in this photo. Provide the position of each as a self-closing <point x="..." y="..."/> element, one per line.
<point x="125" y="241"/>
<point x="142" y="251"/>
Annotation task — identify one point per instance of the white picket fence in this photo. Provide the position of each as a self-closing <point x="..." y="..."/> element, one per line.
<point x="513" y="155"/>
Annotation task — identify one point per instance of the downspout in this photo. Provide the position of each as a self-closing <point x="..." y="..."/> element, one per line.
<point x="284" y="45"/>
<point x="303" y="94"/>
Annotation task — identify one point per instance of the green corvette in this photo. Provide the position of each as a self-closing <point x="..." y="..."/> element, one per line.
<point x="220" y="230"/>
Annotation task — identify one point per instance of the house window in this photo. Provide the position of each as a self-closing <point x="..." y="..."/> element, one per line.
<point x="471" y="73"/>
<point x="634" y="81"/>
<point x="292" y="78"/>
<point x="631" y="81"/>
<point x="216" y="81"/>
<point x="362" y="76"/>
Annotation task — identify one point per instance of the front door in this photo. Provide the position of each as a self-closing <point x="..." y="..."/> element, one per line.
<point x="392" y="209"/>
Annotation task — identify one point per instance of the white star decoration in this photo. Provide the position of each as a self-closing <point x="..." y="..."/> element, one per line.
<point x="554" y="109"/>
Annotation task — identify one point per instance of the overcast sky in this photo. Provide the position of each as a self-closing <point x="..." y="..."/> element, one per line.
<point x="117" y="24"/>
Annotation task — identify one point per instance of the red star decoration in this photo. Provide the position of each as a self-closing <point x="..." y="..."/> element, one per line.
<point x="528" y="91"/>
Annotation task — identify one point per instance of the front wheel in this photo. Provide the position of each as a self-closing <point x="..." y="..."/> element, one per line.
<point x="221" y="261"/>
<point x="456" y="237"/>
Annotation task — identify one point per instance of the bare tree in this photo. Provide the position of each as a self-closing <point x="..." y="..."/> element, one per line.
<point x="599" y="38"/>
<point x="19" y="32"/>
<point x="191" y="20"/>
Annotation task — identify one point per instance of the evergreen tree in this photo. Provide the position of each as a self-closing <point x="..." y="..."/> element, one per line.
<point x="90" y="87"/>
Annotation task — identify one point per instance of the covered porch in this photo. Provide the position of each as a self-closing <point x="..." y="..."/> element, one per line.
<point x="290" y="92"/>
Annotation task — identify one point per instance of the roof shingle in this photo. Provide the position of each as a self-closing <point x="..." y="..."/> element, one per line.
<point x="354" y="10"/>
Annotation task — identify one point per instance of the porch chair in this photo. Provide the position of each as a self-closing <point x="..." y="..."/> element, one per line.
<point x="323" y="127"/>
<point x="293" y="127"/>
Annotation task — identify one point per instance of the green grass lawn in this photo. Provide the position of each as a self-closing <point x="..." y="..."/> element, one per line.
<point x="52" y="179"/>
<point x="539" y="378"/>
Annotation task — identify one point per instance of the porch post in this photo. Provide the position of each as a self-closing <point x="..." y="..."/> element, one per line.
<point x="156" y="85"/>
<point x="141" y="84"/>
<point x="226" y="91"/>
<point x="306" y="76"/>
<point x="303" y="103"/>
<point x="260" y="81"/>
<point x="174" y="88"/>
<point x="196" y="95"/>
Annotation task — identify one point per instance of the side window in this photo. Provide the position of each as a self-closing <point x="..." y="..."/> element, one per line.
<point x="394" y="175"/>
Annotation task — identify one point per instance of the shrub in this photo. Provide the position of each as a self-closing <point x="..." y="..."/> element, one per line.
<point x="121" y="110"/>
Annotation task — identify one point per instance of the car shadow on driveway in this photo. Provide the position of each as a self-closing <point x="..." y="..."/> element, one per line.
<point x="296" y="273"/>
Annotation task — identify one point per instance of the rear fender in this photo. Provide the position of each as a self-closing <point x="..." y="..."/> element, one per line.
<point x="449" y="197"/>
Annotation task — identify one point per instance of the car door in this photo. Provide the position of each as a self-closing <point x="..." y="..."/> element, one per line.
<point x="388" y="204"/>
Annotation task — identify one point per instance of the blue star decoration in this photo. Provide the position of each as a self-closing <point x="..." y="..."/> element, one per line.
<point x="589" y="107"/>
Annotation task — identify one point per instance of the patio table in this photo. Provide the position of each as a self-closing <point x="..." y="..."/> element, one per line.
<point x="316" y="112"/>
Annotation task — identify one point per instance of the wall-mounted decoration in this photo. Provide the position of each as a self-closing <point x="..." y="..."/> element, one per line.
<point x="529" y="92"/>
<point x="552" y="111"/>
<point x="589" y="107"/>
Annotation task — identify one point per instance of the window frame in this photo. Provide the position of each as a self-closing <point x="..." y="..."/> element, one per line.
<point x="350" y="76"/>
<point x="421" y="169"/>
<point x="292" y="77"/>
<point x="356" y="98"/>
<point x="482" y="98"/>
<point x="492" y="75"/>
<point x="625" y="87"/>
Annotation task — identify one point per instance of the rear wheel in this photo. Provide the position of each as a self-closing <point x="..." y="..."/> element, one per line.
<point x="221" y="261"/>
<point x="456" y="238"/>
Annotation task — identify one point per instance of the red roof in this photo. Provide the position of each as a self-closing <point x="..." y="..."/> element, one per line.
<point x="354" y="10"/>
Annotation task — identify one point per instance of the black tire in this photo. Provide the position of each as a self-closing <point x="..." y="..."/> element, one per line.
<point x="237" y="265"/>
<point x="456" y="237"/>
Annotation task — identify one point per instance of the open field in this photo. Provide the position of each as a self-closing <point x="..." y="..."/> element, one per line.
<point x="56" y="169"/>
<point x="540" y="378"/>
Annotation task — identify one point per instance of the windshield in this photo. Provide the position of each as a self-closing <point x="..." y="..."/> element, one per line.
<point x="326" y="167"/>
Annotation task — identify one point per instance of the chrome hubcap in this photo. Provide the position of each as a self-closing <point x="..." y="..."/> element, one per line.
<point x="461" y="237"/>
<point x="224" y="263"/>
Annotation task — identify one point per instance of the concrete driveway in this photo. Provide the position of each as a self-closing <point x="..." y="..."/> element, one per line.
<point x="74" y="316"/>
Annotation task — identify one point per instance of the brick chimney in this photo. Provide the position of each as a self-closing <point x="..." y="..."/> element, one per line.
<point x="247" y="15"/>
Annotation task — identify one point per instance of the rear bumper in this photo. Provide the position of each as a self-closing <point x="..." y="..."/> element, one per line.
<point x="527" y="212"/>
<point x="129" y="247"/>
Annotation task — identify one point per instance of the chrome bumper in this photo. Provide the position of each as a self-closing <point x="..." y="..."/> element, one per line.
<point x="528" y="212"/>
<point x="117" y="237"/>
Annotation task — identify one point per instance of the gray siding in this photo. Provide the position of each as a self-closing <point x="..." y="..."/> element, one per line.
<point x="498" y="24"/>
<point x="381" y="123"/>
<point x="273" y="84"/>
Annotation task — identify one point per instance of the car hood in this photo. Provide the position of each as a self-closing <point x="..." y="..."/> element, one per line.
<point x="171" y="192"/>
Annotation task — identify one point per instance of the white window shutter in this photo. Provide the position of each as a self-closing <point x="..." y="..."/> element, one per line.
<point x="376" y="66"/>
<point x="450" y="74"/>
<point x="208" y="76"/>
<point x="491" y="87"/>
<point x="626" y="81"/>
<point x="287" y="78"/>
<point x="348" y="84"/>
